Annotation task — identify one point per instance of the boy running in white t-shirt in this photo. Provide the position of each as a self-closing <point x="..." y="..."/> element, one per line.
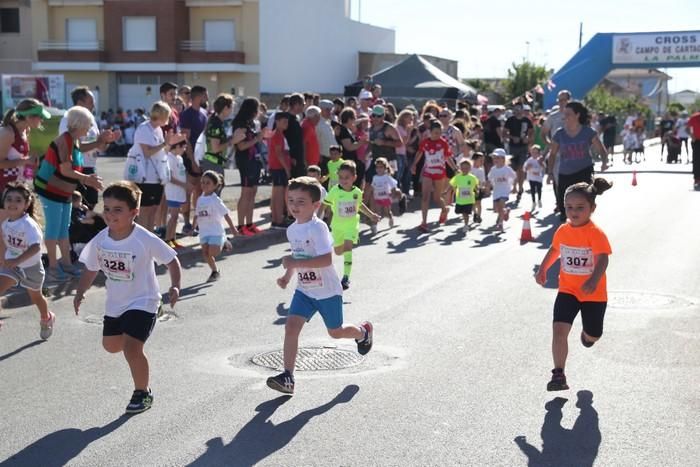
<point x="534" y="168"/>
<point x="175" y="193"/>
<point x="318" y="286"/>
<point x="125" y="253"/>
<point x="501" y="180"/>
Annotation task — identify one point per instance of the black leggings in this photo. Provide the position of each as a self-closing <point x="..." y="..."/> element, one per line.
<point x="535" y="189"/>
<point x="565" y="181"/>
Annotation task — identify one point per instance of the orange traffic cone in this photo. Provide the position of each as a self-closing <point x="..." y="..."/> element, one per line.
<point x="634" y="178"/>
<point x="526" y="235"/>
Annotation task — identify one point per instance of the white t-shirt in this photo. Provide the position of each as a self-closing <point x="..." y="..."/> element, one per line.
<point x="177" y="172"/>
<point x="479" y="173"/>
<point x="309" y="240"/>
<point x="382" y="186"/>
<point x="129" y="267"/>
<point x="147" y="134"/>
<point x="89" y="157"/>
<point x="534" y="170"/>
<point x="682" y="127"/>
<point x="210" y="212"/>
<point x="502" y="180"/>
<point x="630" y="140"/>
<point x="18" y="236"/>
<point x="129" y="135"/>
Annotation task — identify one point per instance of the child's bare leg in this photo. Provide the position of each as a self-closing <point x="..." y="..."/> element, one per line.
<point x="560" y="343"/>
<point x="213" y="251"/>
<point x="39" y="300"/>
<point x="425" y="198"/>
<point x="465" y="218"/>
<point x="138" y="363"/>
<point x="113" y="344"/>
<point x="292" y="329"/>
<point x="347" y="331"/>
<point x="172" y="223"/>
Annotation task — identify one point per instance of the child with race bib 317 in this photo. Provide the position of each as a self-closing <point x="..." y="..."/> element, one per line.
<point x="126" y="254"/>
<point x="318" y="287"/>
<point x="583" y="250"/>
<point x="345" y="200"/>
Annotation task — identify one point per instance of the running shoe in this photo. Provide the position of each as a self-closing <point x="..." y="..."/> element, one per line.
<point x="391" y="222"/>
<point x="402" y="205"/>
<point x="254" y="228"/>
<point x="506" y="214"/>
<point x="140" y="401"/>
<point x="46" y="326"/>
<point x="539" y="203"/>
<point x="187" y="229"/>
<point x="275" y="226"/>
<point x="424" y="228"/>
<point x="160" y="231"/>
<point x="443" y="215"/>
<point x="465" y="229"/>
<point x="345" y="282"/>
<point x="56" y="275"/>
<point x="365" y="345"/>
<point x="214" y="276"/>
<point x="499" y="227"/>
<point x="558" y="382"/>
<point x="228" y="246"/>
<point x="477" y="219"/>
<point x="284" y="382"/>
<point x="373" y="228"/>
<point x="177" y="245"/>
<point x="245" y="231"/>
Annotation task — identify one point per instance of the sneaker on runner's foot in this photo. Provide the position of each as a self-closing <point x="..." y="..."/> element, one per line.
<point x="140" y="401"/>
<point x="558" y="381"/>
<point x="365" y="345"/>
<point x="345" y="282"/>
<point x="254" y="228"/>
<point x="46" y="326"/>
<point x="424" y="228"/>
<point x="214" y="276"/>
<point x="284" y="382"/>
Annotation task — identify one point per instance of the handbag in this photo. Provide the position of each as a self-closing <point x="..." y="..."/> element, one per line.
<point x="161" y="167"/>
<point x="134" y="169"/>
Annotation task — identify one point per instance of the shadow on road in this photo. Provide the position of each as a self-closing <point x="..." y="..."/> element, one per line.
<point x="60" y="447"/>
<point x="260" y="438"/>
<point x="282" y="313"/>
<point x="577" y="447"/>
<point x="21" y="349"/>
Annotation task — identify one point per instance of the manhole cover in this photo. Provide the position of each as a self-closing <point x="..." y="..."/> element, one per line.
<point x="311" y="359"/>
<point x="631" y="300"/>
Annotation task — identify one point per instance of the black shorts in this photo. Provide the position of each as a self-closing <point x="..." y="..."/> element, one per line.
<point x="151" y="194"/>
<point x="134" y="323"/>
<point x="249" y="170"/>
<point x="279" y="177"/>
<point x="518" y="156"/>
<point x="463" y="208"/>
<point x="566" y="307"/>
<point x="189" y="168"/>
<point x="369" y="173"/>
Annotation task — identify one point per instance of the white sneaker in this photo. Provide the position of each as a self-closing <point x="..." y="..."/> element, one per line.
<point x="465" y="229"/>
<point x="534" y="206"/>
<point x="539" y="203"/>
<point x="47" y="326"/>
<point x="373" y="228"/>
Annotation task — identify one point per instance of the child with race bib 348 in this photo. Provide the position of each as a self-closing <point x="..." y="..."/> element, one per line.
<point x="318" y="288"/>
<point x="345" y="200"/>
<point x="126" y="254"/>
<point x="583" y="250"/>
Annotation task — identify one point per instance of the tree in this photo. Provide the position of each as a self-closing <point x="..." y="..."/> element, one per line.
<point x="675" y="107"/>
<point x="524" y="77"/>
<point x="601" y="100"/>
<point x="482" y="86"/>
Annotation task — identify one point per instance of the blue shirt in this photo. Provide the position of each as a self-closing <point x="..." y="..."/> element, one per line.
<point x="195" y="121"/>
<point x="574" y="151"/>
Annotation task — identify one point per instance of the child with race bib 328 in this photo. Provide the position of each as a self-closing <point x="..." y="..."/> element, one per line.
<point x="345" y="200"/>
<point x="583" y="250"/>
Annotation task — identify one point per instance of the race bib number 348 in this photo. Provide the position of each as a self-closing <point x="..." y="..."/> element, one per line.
<point x="310" y="278"/>
<point x="117" y="265"/>
<point x="576" y="261"/>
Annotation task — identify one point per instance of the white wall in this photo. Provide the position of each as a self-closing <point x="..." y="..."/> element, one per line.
<point x="310" y="45"/>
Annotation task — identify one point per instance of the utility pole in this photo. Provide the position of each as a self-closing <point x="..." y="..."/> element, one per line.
<point x="580" y="34"/>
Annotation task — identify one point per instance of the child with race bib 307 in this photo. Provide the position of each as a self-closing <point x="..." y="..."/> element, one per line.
<point x="318" y="288"/>
<point x="583" y="250"/>
<point x="126" y="254"/>
<point x="345" y="200"/>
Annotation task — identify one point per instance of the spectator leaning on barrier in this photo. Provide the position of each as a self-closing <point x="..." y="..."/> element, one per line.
<point x="56" y="179"/>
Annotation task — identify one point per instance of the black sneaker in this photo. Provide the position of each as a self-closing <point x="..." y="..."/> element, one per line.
<point x="402" y="205"/>
<point x="558" y="382"/>
<point x="477" y="219"/>
<point x="214" y="276"/>
<point x="284" y="382"/>
<point x="140" y="401"/>
<point x="345" y="282"/>
<point x="365" y="345"/>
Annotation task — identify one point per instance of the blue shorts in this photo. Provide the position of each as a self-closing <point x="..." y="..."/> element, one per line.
<point x="174" y="204"/>
<point x="56" y="219"/>
<point x="502" y="198"/>
<point x="214" y="240"/>
<point x="331" y="308"/>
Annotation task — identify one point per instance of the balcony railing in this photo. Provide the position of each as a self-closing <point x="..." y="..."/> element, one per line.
<point x="93" y="46"/>
<point x="211" y="46"/>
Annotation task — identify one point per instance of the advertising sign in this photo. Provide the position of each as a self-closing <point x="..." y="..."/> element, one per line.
<point x="49" y="89"/>
<point x="656" y="48"/>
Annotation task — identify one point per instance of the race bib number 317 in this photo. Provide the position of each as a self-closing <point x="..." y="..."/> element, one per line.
<point x="576" y="261"/>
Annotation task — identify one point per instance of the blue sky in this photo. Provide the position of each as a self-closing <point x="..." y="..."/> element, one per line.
<point x="487" y="36"/>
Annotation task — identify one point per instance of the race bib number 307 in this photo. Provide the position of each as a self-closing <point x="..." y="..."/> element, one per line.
<point x="117" y="265"/>
<point x="576" y="261"/>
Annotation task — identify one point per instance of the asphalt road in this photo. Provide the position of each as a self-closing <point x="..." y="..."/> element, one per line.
<point x="457" y="375"/>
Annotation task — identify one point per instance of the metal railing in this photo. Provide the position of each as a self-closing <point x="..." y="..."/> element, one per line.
<point x="72" y="45"/>
<point x="211" y="46"/>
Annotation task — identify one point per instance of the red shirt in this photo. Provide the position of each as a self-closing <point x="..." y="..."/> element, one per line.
<point x="435" y="152"/>
<point x="312" y="150"/>
<point x="277" y="143"/>
<point x="694" y="126"/>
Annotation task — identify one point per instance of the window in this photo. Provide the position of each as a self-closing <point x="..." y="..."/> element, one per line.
<point x="81" y="34"/>
<point x="219" y="36"/>
<point x="9" y="19"/>
<point x="139" y="33"/>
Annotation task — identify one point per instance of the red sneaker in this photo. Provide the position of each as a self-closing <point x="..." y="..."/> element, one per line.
<point x="245" y="231"/>
<point x="253" y="228"/>
<point x="424" y="228"/>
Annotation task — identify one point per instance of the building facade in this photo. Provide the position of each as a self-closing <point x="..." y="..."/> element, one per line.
<point x="124" y="49"/>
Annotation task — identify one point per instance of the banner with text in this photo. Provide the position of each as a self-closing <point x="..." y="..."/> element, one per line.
<point x="656" y="48"/>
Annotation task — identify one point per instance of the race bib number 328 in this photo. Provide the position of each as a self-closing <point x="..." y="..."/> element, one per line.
<point x="576" y="261"/>
<point x="117" y="265"/>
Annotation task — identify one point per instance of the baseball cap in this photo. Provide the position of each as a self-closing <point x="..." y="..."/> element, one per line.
<point x="378" y="110"/>
<point x="365" y="94"/>
<point x="499" y="152"/>
<point x="326" y="104"/>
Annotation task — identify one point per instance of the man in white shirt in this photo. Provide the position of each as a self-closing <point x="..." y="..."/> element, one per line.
<point x="324" y="132"/>
<point x="91" y="144"/>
